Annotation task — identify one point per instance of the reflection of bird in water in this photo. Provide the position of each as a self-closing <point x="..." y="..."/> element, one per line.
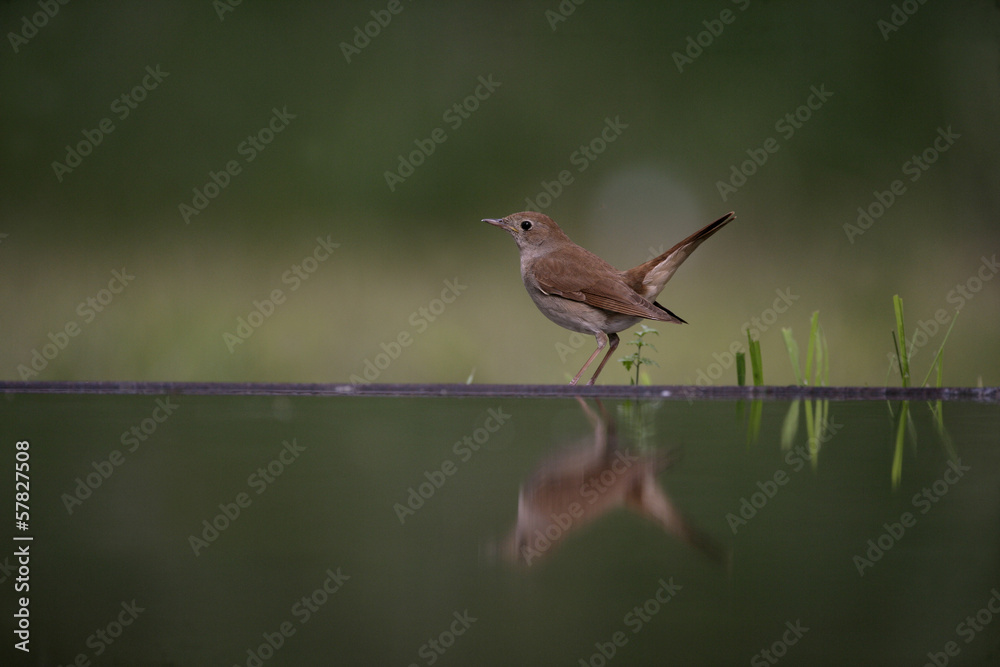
<point x="582" y="483"/>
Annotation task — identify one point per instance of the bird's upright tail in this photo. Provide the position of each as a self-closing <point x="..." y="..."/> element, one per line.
<point x="649" y="278"/>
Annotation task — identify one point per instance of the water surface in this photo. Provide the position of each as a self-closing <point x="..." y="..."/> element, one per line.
<point x="249" y="530"/>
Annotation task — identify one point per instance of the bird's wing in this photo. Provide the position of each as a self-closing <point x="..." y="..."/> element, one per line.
<point x="602" y="287"/>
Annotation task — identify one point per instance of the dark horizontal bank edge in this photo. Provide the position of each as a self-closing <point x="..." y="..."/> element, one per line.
<point x="683" y="392"/>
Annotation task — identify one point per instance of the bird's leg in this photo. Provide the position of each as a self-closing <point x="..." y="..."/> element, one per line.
<point x="602" y="340"/>
<point x="614" y="344"/>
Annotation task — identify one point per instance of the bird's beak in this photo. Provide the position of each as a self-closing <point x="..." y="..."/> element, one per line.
<point x="501" y="223"/>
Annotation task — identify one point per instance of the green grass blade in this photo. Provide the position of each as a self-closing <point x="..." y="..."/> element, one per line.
<point x="897" y="458"/>
<point x="817" y="378"/>
<point x="793" y="353"/>
<point x="937" y="411"/>
<point x="901" y="353"/>
<point x="741" y="369"/>
<point x="899" y="364"/>
<point x="911" y="426"/>
<point x="888" y="371"/>
<point x="811" y="348"/>
<point x="938" y="357"/>
<point x="753" y="423"/>
<point x="790" y="426"/>
<point x="756" y="364"/>
<point x="812" y="435"/>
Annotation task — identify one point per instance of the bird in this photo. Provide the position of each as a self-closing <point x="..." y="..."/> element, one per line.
<point x="578" y="290"/>
<point x="580" y="484"/>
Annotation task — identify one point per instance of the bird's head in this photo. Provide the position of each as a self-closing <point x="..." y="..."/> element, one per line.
<point x="530" y="229"/>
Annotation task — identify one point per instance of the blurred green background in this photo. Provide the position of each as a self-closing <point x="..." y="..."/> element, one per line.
<point x="349" y="105"/>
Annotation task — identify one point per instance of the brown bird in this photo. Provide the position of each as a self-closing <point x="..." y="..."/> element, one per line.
<point x="581" y="484"/>
<point x="578" y="290"/>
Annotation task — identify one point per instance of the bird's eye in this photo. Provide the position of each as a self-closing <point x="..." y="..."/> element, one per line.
<point x="526" y="225"/>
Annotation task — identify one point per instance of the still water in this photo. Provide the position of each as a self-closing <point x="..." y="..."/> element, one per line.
<point x="197" y="530"/>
